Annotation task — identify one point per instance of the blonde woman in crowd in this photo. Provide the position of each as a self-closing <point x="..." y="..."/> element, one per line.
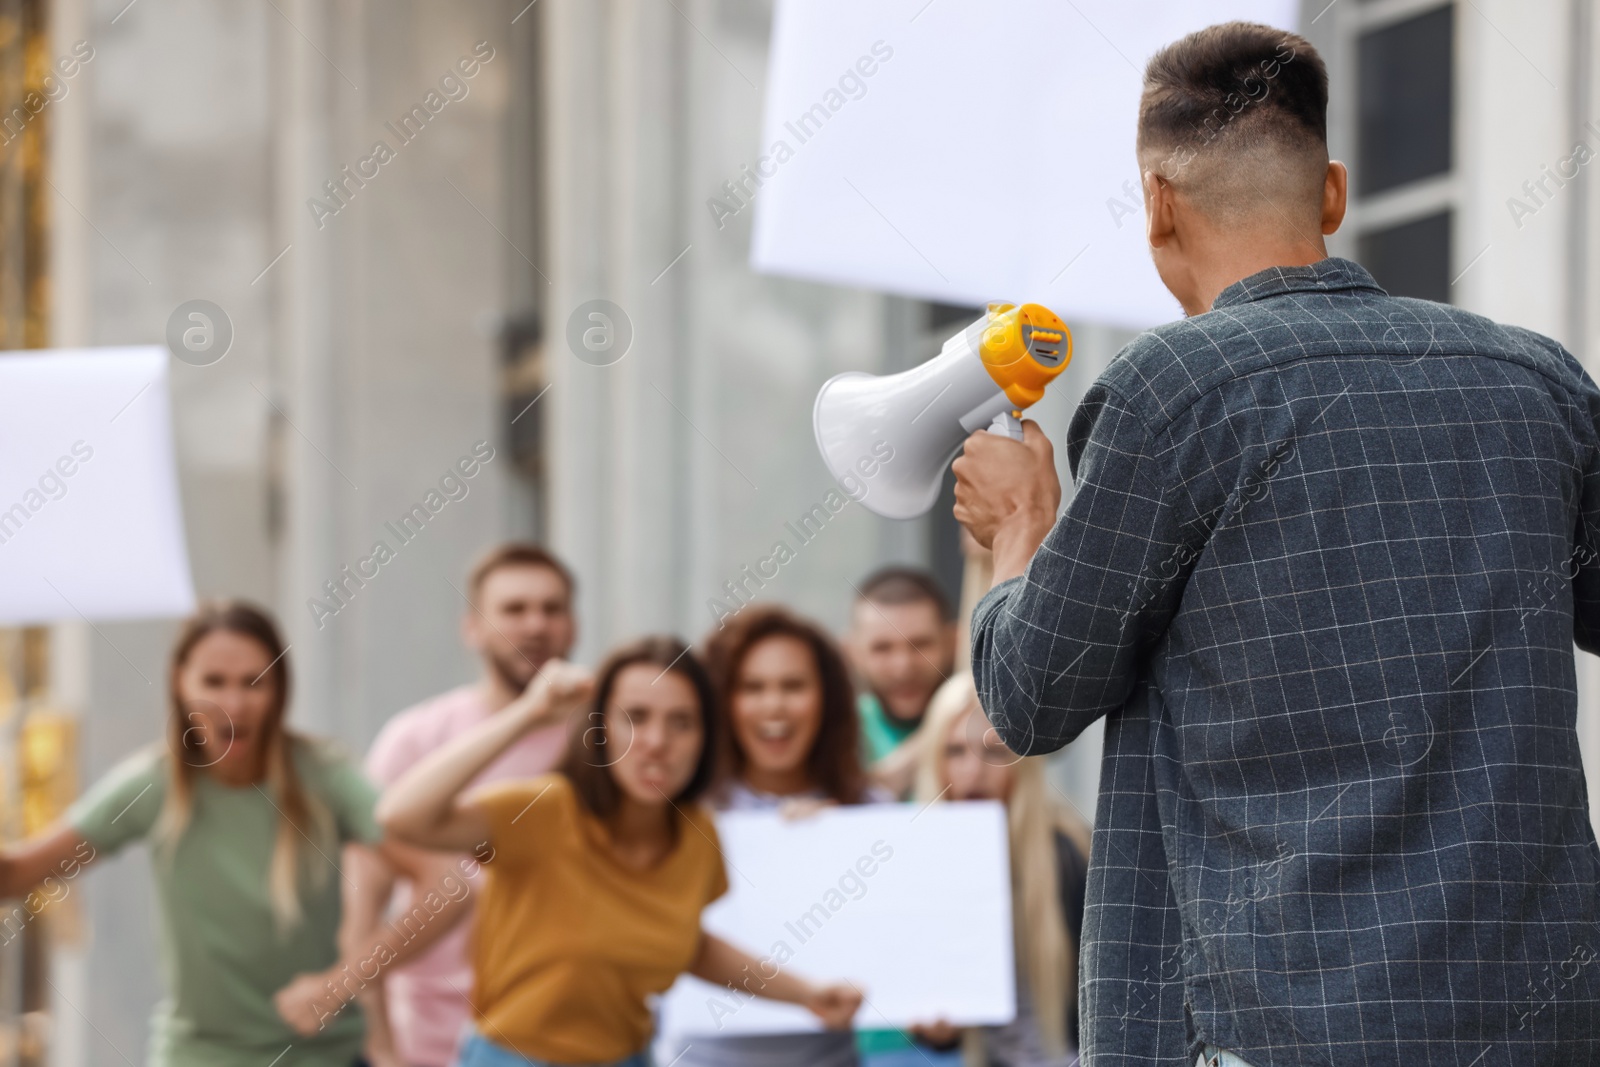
<point x="960" y="758"/>
<point x="245" y="819"/>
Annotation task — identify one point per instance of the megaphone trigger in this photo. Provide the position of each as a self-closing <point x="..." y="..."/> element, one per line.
<point x="888" y="439"/>
<point x="1007" y="424"/>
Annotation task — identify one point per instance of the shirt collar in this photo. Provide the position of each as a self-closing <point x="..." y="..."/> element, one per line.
<point x="1326" y="275"/>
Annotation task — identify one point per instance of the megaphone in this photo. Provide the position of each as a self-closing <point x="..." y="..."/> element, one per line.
<point x="893" y="435"/>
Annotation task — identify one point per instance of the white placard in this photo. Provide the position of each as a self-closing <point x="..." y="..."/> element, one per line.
<point x="90" y="523"/>
<point x="990" y="156"/>
<point x="914" y="906"/>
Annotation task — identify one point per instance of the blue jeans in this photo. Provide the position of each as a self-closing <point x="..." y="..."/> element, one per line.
<point x="476" y="1051"/>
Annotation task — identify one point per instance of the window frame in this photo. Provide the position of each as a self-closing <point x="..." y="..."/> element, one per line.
<point x="1411" y="201"/>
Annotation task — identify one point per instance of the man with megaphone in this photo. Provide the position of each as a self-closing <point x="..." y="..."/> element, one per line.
<point x="1322" y="574"/>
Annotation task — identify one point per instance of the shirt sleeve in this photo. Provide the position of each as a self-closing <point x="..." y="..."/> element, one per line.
<point x="123" y="805"/>
<point x="351" y="797"/>
<point x="1058" y="647"/>
<point x="393" y="752"/>
<point x="525" y="815"/>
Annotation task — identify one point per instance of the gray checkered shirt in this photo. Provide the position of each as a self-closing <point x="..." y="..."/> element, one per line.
<point x="1322" y="574"/>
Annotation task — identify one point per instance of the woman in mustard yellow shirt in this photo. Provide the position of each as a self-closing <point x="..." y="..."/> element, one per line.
<point x="598" y="872"/>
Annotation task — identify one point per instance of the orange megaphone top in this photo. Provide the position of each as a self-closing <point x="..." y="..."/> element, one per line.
<point x="1024" y="348"/>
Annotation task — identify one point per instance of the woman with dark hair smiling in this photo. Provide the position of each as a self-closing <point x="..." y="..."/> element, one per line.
<point x="599" y="871"/>
<point x="791" y="741"/>
<point x="788" y="714"/>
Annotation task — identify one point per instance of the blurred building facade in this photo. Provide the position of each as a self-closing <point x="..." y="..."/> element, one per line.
<point x="393" y="309"/>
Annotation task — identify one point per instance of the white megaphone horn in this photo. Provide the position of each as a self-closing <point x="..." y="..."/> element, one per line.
<point x="892" y="436"/>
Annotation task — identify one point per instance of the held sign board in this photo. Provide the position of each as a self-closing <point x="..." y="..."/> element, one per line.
<point x="966" y="152"/>
<point x="90" y="522"/>
<point x="911" y="904"/>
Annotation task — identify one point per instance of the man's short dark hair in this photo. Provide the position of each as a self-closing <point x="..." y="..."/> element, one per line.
<point x="905" y="585"/>
<point x="517" y="554"/>
<point x="1236" y="76"/>
<point x="1237" y="89"/>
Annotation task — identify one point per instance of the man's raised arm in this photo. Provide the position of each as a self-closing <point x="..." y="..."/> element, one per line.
<point x="1056" y="643"/>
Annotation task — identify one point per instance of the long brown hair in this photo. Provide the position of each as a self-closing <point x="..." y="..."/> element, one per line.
<point x="834" y="762"/>
<point x="589" y="758"/>
<point x="302" y="816"/>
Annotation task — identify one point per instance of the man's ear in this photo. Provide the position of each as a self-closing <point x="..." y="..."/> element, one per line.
<point x="469" y="631"/>
<point x="1159" y="209"/>
<point x="1335" y="196"/>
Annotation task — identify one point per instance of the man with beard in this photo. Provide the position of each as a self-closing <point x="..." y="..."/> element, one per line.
<point x="902" y="644"/>
<point x="518" y="618"/>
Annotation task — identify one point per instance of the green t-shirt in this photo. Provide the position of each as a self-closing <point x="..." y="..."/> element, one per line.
<point x="221" y="950"/>
<point x="879" y="733"/>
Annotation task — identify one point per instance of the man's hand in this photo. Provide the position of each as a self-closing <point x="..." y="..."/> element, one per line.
<point x="379" y="1047"/>
<point x="938" y="1035"/>
<point x="1007" y="495"/>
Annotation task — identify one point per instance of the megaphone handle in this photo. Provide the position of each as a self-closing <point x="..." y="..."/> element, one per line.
<point x="1007" y="425"/>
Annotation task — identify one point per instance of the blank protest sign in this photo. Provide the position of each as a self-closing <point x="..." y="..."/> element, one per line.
<point x="926" y="934"/>
<point x="90" y="522"/>
<point x="990" y="157"/>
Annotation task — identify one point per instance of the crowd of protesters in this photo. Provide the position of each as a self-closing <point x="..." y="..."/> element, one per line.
<point x="520" y="866"/>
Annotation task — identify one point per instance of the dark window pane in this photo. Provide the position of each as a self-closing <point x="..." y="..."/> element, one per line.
<point x="1405" y="80"/>
<point x="1412" y="259"/>
<point x="942" y="315"/>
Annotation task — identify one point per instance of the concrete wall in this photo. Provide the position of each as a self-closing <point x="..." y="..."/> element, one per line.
<point x="678" y="465"/>
<point x="362" y="364"/>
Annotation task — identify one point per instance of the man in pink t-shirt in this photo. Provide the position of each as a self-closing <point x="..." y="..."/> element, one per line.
<point x="520" y="616"/>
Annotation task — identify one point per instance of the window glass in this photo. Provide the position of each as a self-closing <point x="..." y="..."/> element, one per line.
<point x="1412" y="259"/>
<point x="1405" y="101"/>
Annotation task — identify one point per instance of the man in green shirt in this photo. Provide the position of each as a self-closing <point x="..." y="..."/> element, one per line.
<point x="902" y="645"/>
